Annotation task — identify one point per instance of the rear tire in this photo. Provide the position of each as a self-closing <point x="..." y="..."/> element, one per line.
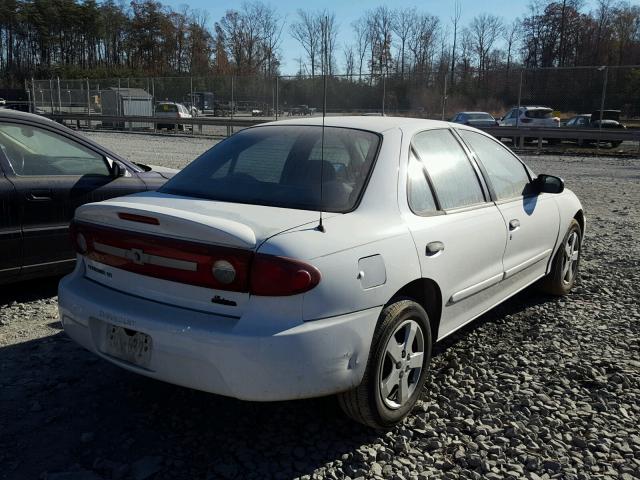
<point x="396" y="370"/>
<point x="564" y="270"/>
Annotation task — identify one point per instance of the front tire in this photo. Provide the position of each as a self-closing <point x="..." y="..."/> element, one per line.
<point x="396" y="370"/>
<point x="562" y="277"/>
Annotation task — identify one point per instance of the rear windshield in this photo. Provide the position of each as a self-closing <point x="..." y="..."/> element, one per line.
<point x="538" y="113"/>
<point x="479" y="116"/>
<point x="282" y="166"/>
<point x="166" y="107"/>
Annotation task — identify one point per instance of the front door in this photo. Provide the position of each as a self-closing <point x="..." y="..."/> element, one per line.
<point x="53" y="175"/>
<point x="531" y="219"/>
<point x="10" y="233"/>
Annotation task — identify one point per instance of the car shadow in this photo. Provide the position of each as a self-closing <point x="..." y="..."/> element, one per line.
<point x="63" y="408"/>
<point x="29" y="290"/>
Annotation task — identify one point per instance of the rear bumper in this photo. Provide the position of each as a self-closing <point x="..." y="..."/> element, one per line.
<point x="215" y="354"/>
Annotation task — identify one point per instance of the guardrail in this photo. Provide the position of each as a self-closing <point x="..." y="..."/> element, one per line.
<point x="131" y="122"/>
<point x="518" y="134"/>
<point x="580" y="135"/>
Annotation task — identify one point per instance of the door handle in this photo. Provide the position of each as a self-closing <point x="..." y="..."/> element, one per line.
<point x="433" y="248"/>
<point x="514" y="224"/>
<point x="39" y="196"/>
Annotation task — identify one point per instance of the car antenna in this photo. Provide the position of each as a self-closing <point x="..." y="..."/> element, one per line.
<point x="320" y="226"/>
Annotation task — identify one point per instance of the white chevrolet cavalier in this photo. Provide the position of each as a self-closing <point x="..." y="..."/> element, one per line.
<point x="225" y="280"/>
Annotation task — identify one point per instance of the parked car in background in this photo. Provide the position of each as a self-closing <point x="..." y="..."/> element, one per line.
<point x="172" y="110"/>
<point x="299" y="110"/>
<point x="610" y="120"/>
<point x="532" y="116"/>
<point x="46" y="172"/>
<point x="192" y="109"/>
<point x="226" y="281"/>
<point x="475" y="119"/>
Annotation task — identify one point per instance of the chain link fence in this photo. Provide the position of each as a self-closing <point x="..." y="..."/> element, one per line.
<point x="567" y="91"/>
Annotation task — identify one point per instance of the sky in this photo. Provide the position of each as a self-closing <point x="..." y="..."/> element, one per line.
<point x="349" y="10"/>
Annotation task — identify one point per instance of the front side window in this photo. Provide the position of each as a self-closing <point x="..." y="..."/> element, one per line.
<point x="453" y="177"/>
<point x="507" y="174"/>
<point x="283" y="166"/>
<point x="35" y="151"/>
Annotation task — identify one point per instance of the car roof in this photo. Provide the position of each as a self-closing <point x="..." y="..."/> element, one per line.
<point x="372" y="124"/>
<point x="18" y="115"/>
<point x="535" y="108"/>
<point x="467" y="113"/>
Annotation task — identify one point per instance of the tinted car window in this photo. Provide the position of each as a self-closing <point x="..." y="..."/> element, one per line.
<point x="538" y="113"/>
<point x="35" y="151"/>
<point x="167" y="107"/>
<point x="453" y="177"/>
<point x="283" y="166"/>
<point x="480" y="116"/>
<point x="421" y="199"/>
<point x="506" y="173"/>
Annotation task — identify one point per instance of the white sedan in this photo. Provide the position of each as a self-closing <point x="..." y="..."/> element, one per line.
<point x="226" y="280"/>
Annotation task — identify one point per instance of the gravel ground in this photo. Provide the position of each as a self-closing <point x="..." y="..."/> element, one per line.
<point x="540" y="387"/>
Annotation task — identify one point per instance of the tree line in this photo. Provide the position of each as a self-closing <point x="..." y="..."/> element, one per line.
<point x="87" y="38"/>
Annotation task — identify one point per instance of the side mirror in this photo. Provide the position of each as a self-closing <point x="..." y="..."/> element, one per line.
<point x="549" y="184"/>
<point x="118" y="170"/>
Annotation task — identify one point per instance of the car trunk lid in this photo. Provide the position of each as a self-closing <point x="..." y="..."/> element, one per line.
<point x="169" y="249"/>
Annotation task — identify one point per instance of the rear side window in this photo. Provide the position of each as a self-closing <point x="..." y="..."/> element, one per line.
<point x="538" y="113"/>
<point x="507" y="174"/>
<point x="421" y="198"/>
<point x="454" y="179"/>
<point x="283" y="166"/>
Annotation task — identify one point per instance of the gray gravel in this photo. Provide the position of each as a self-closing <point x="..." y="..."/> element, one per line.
<point x="540" y="387"/>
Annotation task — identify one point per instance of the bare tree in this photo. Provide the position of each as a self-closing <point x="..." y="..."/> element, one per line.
<point x="485" y="30"/>
<point x="403" y="21"/>
<point x="455" y="20"/>
<point x="329" y="35"/>
<point x="380" y="23"/>
<point x="422" y="43"/>
<point x="361" y="30"/>
<point x="306" y="31"/>
<point x="511" y="32"/>
<point x="349" y="61"/>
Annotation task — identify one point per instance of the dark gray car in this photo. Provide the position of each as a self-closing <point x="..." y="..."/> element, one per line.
<point x="46" y="171"/>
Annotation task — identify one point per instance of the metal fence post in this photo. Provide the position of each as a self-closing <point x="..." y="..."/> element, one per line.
<point x="153" y="102"/>
<point x="88" y="104"/>
<point x="444" y="96"/>
<point x="519" y="99"/>
<point x="59" y="96"/>
<point x="51" y="94"/>
<point x="277" y="99"/>
<point x="118" y="106"/>
<point x="604" y="69"/>
<point x="384" y="92"/>
<point x="232" y="105"/>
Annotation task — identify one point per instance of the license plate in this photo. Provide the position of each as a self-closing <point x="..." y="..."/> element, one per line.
<point x="128" y="345"/>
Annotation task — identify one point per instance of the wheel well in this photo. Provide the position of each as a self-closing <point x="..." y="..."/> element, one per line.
<point x="426" y="293"/>
<point x="579" y="216"/>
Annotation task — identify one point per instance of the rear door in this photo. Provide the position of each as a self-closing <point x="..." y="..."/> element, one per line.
<point x="459" y="233"/>
<point x="10" y="233"/>
<point x="53" y="174"/>
<point x="531" y="220"/>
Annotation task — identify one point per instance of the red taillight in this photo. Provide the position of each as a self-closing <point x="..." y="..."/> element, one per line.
<point x="273" y="276"/>
<point x="212" y="266"/>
